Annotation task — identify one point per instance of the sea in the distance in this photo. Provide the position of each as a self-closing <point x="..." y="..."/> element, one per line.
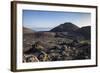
<point x="41" y="29"/>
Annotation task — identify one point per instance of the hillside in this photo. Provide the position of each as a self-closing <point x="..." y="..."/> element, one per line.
<point x="27" y="30"/>
<point x="85" y="31"/>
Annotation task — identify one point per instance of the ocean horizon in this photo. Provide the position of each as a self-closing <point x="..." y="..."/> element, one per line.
<point x="41" y="29"/>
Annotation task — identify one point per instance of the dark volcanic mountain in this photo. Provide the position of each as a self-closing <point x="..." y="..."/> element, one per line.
<point x="70" y="30"/>
<point x="66" y="27"/>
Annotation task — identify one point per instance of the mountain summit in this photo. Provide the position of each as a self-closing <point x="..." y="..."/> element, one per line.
<point x="66" y="27"/>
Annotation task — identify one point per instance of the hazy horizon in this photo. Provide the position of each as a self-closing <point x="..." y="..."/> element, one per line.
<point x="46" y="20"/>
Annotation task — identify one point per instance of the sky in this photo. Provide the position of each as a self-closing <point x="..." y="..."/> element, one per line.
<point x="46" y="20"/>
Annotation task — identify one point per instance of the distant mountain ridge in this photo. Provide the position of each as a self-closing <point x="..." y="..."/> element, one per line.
<point x="27" y="30"/>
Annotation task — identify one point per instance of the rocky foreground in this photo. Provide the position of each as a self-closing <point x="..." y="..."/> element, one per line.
<point x="60" y="52"/>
